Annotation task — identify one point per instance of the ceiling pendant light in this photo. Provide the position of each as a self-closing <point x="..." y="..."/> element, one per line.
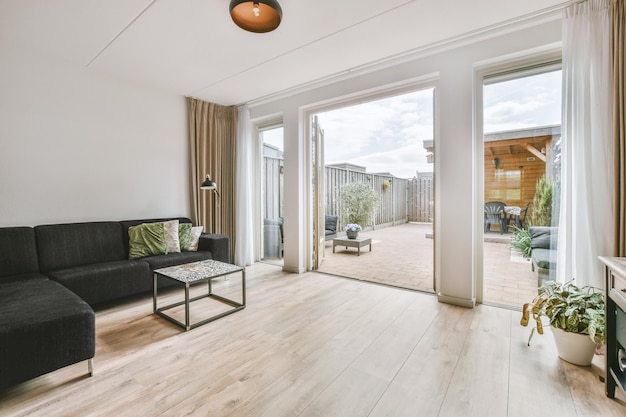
<point x="256" y="16"/>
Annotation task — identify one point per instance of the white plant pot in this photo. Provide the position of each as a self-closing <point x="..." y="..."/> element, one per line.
<point x="574" y="348"/>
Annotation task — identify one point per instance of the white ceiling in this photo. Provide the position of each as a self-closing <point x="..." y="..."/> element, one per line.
<point x="192" y="48"/>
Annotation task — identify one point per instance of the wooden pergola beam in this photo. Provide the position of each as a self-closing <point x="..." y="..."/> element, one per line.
<point x="530" y="148"/>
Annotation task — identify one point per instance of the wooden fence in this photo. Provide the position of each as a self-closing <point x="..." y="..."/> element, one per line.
<point x="421" y="198"/>
<point x="399" y="200"/>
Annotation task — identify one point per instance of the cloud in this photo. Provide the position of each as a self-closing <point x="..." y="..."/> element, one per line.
<point x="384" y="136"/>
<point x="523" y="102"/>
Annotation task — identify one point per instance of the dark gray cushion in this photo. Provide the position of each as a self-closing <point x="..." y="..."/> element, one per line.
<point x="66" y="245"/>
<point x="43" y="327"/>
<point x="22" y="277"/>
<point x="330" y="225"/>
<point x="543" y="237"/>
<point x="18" y="252"/>
<point x="544" y="258"/>
<point x="106" y="281"/>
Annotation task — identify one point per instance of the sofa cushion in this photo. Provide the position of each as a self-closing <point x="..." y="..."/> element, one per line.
<point x="171" y="259"/>
<point x="330" y="225"/>
<point x="43" y="327"/>
<point x="194" y="240"/>
<point x="171" y="235"/>
<point x="544" y="258"/>
<point x="18" y="253"/>
<point x="23" y="277"/>
<point x="146" y="239"/>
<point x="98" y="283"/>
<point x="543" y="237"/>
<point x="127" y="224"/>
<point x="65" y="245"/>
<point x="184" y="235"/>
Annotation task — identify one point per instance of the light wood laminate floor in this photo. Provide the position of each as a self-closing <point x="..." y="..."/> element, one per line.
<point x="318" y="345"/>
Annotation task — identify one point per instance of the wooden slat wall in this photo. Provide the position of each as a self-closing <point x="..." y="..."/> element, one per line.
<point x="519" y="190"/>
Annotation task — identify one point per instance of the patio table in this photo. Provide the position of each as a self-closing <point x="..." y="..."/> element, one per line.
<point x="513" y="211"/>
<point x="357" y="243"/>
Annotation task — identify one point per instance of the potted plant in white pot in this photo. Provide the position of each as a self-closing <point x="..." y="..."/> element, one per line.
<point x="576" y="316"/>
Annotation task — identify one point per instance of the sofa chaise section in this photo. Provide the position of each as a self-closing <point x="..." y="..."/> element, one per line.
<point x="43" y="325"/>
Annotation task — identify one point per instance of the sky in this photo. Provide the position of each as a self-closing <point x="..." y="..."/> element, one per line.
<point x="387" y="135"/>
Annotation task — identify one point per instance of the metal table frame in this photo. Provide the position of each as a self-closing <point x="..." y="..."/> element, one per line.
<point x="187" y="301"/>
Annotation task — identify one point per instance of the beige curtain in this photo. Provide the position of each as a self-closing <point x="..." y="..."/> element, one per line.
<point x="619" y="117"/>
<point x="212" y="144"/>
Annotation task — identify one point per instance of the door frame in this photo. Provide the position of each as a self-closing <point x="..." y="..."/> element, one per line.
<point x="514" y="64"/>
<point x="389" y="90"/>
<point x="257" y="130"/>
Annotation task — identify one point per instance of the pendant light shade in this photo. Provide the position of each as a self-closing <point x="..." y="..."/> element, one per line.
<point x="256" y="16"/>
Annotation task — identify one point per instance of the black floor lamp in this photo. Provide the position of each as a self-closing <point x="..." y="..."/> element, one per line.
<point x="209" y="184"/>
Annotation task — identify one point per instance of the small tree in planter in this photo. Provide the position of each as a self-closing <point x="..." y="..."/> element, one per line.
<point x="542" y="203"/>
<point x="358" y="204"/>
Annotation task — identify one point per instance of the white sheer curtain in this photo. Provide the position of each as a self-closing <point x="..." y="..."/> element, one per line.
<point x="244" y="244"/>
<point x="585" y="225"/>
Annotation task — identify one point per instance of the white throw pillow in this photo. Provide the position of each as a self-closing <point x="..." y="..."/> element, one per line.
<point x="196" y="231"/>
<point x="171" y="236"/>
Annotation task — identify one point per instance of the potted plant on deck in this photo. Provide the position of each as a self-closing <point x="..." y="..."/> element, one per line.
<point x="576" y="316"/>
<point x="352" y="230"/>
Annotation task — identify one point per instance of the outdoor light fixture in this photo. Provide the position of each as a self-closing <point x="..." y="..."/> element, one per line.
<point x="256" y="16"/>
<point x="496" y="162"/>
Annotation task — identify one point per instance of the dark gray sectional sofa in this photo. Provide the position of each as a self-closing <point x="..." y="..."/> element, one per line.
<point x="51" y="276"/>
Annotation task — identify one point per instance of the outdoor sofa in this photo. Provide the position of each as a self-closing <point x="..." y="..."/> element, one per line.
<point x="543" y="244"/>
<point x="51" y="276"/>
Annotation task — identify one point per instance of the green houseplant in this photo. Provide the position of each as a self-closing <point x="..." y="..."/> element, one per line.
<point x="571" y="310"/>
<point x="358" y="203"/>
<point x="521" y="242"/>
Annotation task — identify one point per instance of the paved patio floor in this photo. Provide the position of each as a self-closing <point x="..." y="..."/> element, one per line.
<point x="403" y="256"/>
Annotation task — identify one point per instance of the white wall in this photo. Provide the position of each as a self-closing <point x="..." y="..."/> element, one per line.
<point x="79" y="146"/>
<point x="456" y="197"/>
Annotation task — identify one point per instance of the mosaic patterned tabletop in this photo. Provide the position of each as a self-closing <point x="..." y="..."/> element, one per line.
<point x="197" y="271"/>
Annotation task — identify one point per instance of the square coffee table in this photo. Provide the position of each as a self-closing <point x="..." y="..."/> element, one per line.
<point x="194" y="273"/>
<point x="357" y="243"/>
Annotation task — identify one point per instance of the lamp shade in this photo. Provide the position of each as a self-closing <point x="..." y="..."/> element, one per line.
<point x="208" y="184"/>
<point x="256" y="16"/>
